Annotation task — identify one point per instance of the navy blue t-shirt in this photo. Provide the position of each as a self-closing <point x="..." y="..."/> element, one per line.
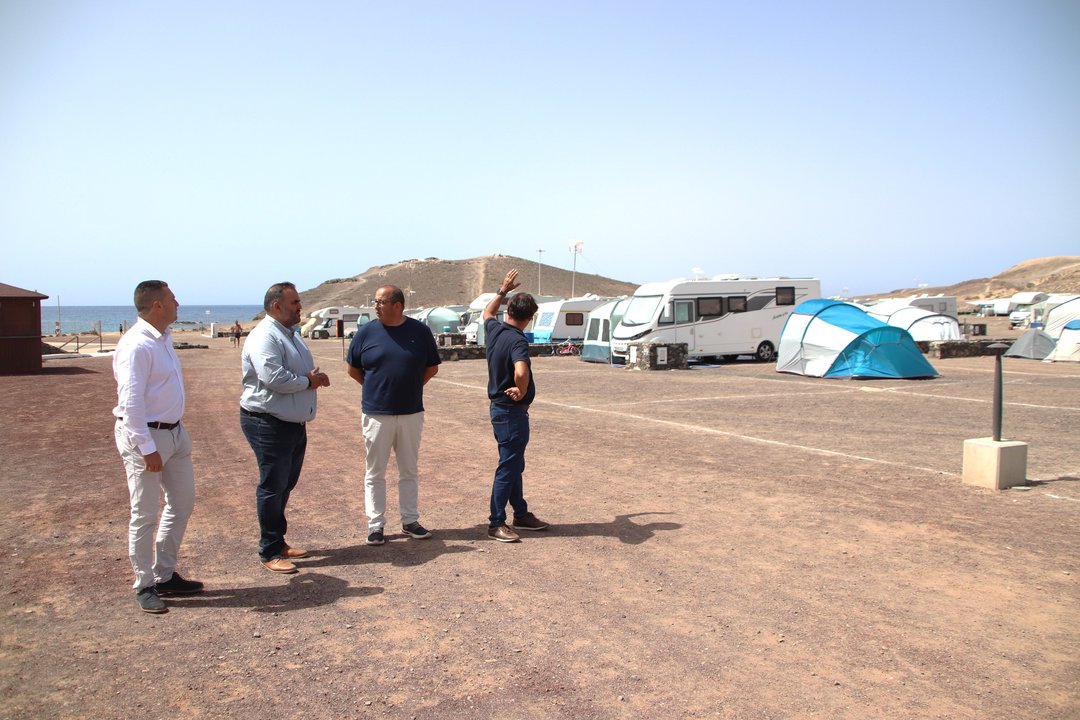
<point x="393" y="359"/>
<point x="505" y="346"/>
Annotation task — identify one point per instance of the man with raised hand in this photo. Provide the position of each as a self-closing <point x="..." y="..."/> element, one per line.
<point x="510" y="390"/>
<point x="154" y="446"/>
<point x="279" y="399"/>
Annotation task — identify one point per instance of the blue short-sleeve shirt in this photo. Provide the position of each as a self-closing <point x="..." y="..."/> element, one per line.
<point x="505" y="346"/>
<point x="393" y="359"/>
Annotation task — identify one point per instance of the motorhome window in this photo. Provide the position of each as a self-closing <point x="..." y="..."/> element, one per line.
<point x="736" y="303"/>
<point x="606" y="336"/>
<point x="785" y="296"/>
<point x="710" y="307"/>
<point x="546" y="319"/>
<point x="666" y="316"/>
<point x="641" y="309"/>
<point x="594" y="329"/>
<point x="575" y="319"/>
<point x="684" y="311"/>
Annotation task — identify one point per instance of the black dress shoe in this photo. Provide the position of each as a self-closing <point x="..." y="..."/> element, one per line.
<point x="177" y="585"/>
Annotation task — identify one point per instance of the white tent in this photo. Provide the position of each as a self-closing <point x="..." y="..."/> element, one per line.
<point x="923" y="325"/>
<point x="1068" y="344"/>
<point x="1061" y="315"/>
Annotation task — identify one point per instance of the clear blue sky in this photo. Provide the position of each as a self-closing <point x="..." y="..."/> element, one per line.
<point x="223" y="146"/>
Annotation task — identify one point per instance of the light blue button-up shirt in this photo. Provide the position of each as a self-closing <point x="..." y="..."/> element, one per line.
<point x="275" y="363"/>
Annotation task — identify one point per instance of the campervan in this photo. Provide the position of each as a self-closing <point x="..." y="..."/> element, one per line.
<point x="560" y="320"/>
<point x="326" y="321"/>
<point x="940" y="304"/>
<point x="724" y="317"/>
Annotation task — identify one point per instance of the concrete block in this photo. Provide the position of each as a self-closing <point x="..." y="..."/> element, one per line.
<point x="996" y="465"/>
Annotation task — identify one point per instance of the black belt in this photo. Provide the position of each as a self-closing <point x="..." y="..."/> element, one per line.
<point x="162" y="426"/>
<point x="158" y="425"/>
<point x="249" y="413"/>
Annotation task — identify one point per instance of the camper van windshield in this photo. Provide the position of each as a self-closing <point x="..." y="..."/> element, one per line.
<point x="641" y="309"/>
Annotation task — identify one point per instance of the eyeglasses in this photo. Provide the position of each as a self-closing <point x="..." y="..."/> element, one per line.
<point x="380" y="303"/>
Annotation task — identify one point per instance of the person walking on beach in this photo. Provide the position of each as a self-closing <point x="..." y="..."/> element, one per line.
<point x="279" y="399"/>
<point x="510" y="391"/>
<point x="392" y="358"/>
<point x="154" y="446"/>
<point x="237" y="332"/>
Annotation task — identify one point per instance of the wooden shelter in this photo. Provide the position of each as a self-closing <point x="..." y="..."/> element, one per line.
<point x="20" y="330"/>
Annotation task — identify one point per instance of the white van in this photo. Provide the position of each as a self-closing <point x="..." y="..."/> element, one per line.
<point x="723" y="317"/>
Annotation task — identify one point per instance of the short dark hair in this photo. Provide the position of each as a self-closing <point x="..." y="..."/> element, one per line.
<point x="521" y="306"/>
<point x="147" y="292"/>
<point x="275" y="292"/>
<point x="396" y="294"/>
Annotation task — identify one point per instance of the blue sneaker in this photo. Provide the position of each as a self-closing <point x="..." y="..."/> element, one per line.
<point x="415" y="530"/>
<point x="375" y="537"/>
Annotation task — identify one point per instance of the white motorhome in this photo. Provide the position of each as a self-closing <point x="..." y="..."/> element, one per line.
<point x="724" y="317"/>
<point x="325" y="319"/>
<point x="563" y="319"/>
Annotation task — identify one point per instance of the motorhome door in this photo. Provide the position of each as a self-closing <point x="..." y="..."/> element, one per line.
<point x="685" y="317"/>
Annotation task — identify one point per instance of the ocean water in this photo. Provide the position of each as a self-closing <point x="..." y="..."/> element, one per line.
<point x="85" y="318"/>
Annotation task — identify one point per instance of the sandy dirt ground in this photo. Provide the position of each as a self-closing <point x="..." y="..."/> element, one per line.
<point x="727" y="542"/>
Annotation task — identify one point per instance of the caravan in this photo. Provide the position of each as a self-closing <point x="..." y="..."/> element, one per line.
<point x="599" y="324"/>
<point x="560" y="320"/>
<point x="724" y="317"/>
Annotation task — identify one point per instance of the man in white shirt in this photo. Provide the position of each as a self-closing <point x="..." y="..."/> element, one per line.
<point x="280" y="380"/>
<point x="154" y="446"/>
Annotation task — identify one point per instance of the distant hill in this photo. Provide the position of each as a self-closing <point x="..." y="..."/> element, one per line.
<point x="435" y="282"/>
<point x="1048" y="275"/>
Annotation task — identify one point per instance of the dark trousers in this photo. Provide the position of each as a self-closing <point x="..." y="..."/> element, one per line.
<point x="279" y="448"/>
<point x="511" y="427"/>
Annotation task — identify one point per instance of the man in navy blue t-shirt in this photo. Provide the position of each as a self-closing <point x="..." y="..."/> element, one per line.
<point x="392" y="357"/>
<point x="510" y="390"/>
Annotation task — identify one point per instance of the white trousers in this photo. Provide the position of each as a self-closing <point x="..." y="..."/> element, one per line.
<point x="401" y="434"/>
<point x="154" y="559"/>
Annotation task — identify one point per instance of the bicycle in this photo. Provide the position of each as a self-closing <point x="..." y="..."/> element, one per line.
<point x="566" y="347"/>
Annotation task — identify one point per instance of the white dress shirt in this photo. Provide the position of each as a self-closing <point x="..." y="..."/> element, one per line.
<point x="275" y="363"/>
<point x="149" y="383"/>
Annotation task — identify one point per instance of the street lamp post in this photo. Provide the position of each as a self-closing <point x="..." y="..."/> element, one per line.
<point x="538" y="264"/>
<point x="575" y="250"/>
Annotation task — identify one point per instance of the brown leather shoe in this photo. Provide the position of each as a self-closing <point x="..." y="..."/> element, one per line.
<point x="291" y="552"/>
<point x="528" y="521"/>
<point x="503" y="534"/>
<point x="279" y="565"/>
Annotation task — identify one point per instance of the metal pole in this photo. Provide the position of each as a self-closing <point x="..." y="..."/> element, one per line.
<point x="541" y="262"/>
<point x="573" y="275"/>
<point x="998" y="349"/>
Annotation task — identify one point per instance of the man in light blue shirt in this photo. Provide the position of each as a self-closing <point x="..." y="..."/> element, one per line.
<point x="279" y="399"/>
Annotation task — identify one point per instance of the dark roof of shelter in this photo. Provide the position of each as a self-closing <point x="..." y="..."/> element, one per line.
<point x="10" y="291"/>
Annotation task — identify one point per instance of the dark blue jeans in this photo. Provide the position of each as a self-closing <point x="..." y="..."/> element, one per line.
<point x="511" y="427"/>
<point x="279" y="448"/>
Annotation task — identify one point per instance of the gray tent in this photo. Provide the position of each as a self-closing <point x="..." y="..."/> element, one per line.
<point x="1033" y="344"/>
